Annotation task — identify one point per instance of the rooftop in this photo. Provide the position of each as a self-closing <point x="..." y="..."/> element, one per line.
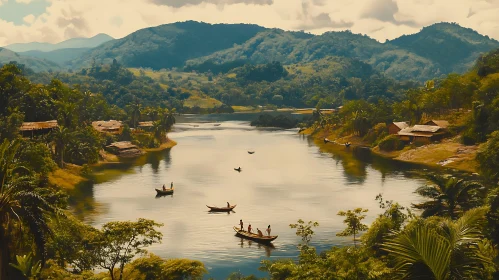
<point x="123" y="145"/>
<point x="441" y="123"/>
<point x="103" y="126"/>
<point x="401" y="125"/>
<point x="28" y="126"/>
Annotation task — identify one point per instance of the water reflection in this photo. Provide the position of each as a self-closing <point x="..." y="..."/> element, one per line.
<point x="288" y="178"/>
<point x="268" y="248"/>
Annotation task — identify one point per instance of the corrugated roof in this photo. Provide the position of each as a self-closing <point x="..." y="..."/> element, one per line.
<point x="441" y="123"/>
<point x="401" y="125"/>
<point x="425" y="128"/>
<point x="28" y="126"/>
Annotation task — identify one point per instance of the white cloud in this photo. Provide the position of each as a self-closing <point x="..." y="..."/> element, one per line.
<point x="67" y="18"/>
<point x="29" y="19"/>
<point x="24" y="1"/>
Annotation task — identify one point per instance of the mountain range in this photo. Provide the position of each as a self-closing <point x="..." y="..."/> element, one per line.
<point x="91" y="42"/>
<point x="436" y="50"/>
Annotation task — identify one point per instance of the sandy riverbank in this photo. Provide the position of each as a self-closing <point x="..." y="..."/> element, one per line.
<point x="447" y="153"/>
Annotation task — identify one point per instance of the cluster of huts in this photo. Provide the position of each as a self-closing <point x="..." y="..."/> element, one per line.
<point x="428" y="132"/>
<point x="122" y="148"/>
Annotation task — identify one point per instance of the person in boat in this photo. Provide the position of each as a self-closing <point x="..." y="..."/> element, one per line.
<point x="259" y="232"/>
<point x="228" y="205"/>
<point x="268" y="230"/>
<point x="249" y="228"/>
<point x="171" y="186"/>
<point x="164" y="189"/>
<point x="241" y="223"/>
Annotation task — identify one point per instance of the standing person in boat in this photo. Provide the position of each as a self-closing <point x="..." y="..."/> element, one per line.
<point x="241" y="223"/>
<point x="164" y="187"/>
<point x="259" y="232"/>
<point x="171" y="186"/>
<point x="268" y="230"/>
<point x="249" y="228"/>
<point x="228" y="205"/>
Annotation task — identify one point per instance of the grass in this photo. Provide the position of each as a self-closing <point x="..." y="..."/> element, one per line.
<point x="200" y="100"/>
<point x="245" y="109"/>
<point x="169" y="144"/>
<point x="66" y="178"/>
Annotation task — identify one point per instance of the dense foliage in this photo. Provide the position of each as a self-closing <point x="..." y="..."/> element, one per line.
<point x="282" y="121"/>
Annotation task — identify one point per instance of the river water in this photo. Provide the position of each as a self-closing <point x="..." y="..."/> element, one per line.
<point x="287" y="178"/>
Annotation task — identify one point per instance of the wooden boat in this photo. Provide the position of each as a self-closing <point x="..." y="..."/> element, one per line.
<point x="251" y="236"/>
<point x="217" y="124"/>
<point x="326" y="140"/>
<point x="238" y="169"/>
<point x="252" y="152"/>
<point x="162" y="192"/>
<point x="347" y="144"/>
<point x="221" y="209"/>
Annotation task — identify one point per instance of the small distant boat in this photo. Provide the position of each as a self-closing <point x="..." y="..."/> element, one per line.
<point x="221" y="209"/>
<point x="217" y="124"/>
<point x="348" y="144"/>
<point x="252" y="152"/>
<point x="162" y="192"/>
<point x="255" y="237"/>
<point x="326" y="140"/>
<point x="238" y="169"/>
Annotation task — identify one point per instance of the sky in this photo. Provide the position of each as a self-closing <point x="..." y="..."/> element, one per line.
<point x="52" y="21"/>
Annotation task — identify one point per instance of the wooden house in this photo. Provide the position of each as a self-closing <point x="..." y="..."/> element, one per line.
<point x="112" y="126"/>
<point x="395" y="127"/>
<point x="146" y="126"/>
<point x="124" y="149"/>
<point x="31" y="129"/>
<point x="422" y="133"/>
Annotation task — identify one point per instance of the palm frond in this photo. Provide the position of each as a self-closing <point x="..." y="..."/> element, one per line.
<point x="420" y="246"/>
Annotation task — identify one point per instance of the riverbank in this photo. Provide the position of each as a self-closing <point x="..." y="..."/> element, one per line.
<point x="448" y="153"/>
<point x="71" y="175"/>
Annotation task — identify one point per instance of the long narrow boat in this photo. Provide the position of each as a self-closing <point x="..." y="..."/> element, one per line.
<point x="221" y="209"/>
<point x="251" y="236"/>
<point x="162" y="192"/>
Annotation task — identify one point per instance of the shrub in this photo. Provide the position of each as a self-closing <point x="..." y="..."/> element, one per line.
<point x="391" y="143"/>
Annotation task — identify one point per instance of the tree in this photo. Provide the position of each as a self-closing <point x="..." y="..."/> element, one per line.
<point x="449" y="196"/>
<point x="180" y="269"/>
<point x="61" y="136"/>
<point x="488" y="157"/>
<point x="353" y="220"/>
<point x="20" y="205"/>
<point x="441" y="249"/>
<point x="122" y="241"/>
<point x="135" y="109"/>
<point x="305" y="231"/>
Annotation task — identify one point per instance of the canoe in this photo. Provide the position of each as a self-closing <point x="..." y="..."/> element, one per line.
<point x="251" y="236"/>
<point x="238" y="169"/>
<point x="221" y="209"/>
<point x="162" y="192"/>
<point x="217" y="124"/>
<point x="251" y="152"/>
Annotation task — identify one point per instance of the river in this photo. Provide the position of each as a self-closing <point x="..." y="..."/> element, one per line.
<point x="287" y="178"/>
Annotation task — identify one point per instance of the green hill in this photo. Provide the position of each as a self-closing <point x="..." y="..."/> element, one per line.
<point x="170" y="45"/>
<point x="452" y="47"/>
<point x="433" y="52"/>
<point x="36" y="64"/>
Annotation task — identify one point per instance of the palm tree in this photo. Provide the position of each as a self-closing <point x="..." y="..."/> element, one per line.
<point x="448" y="250"/>
<point x="158" y="131"/>
<point x="168" y="119"/>
<point x="20" y="206"/>
<point x="135" y="109"/>
<point x="449" y="196"/>
<point x="60" y="136"/>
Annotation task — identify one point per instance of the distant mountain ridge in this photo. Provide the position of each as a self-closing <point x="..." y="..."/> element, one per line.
<point x="91" y="42"/>
<point x="36" y="64"/>
<point x="434" y="51"/>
